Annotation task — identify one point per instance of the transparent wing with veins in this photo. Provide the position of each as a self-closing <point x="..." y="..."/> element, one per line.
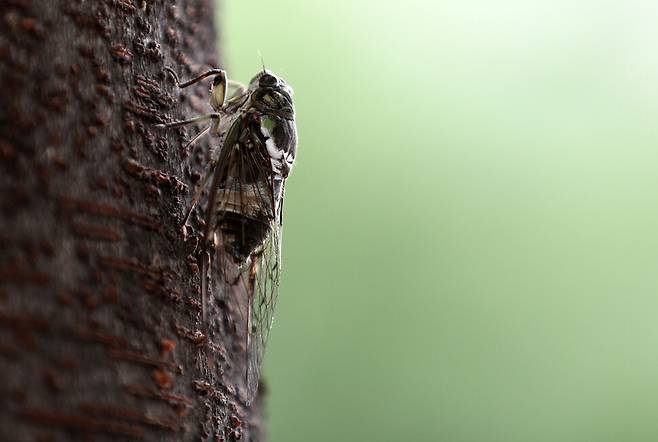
<point x="264" y="277"/>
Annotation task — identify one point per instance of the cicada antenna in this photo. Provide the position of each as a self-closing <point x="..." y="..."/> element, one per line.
<point x="262" y="62"/>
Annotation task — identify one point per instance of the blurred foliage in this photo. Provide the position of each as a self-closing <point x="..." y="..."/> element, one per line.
<point x="470" y="244"/>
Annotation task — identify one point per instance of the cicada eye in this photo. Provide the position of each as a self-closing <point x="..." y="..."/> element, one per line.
<point x="267" y="80"/>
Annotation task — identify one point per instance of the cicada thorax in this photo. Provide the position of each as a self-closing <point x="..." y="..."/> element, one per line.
<point x="250" y="189"/>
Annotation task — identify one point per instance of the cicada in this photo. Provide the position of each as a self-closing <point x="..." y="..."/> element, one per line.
<point x="257" y="144"/>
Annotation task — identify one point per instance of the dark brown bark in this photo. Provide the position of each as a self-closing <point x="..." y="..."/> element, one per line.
<point x="101" y="335"/>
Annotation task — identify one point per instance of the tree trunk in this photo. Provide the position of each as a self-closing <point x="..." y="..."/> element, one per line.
<point x="101" y="336"/>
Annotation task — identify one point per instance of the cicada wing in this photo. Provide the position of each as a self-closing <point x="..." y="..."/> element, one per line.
<point x="244" y="215"/>
<point x="265" y="277"/>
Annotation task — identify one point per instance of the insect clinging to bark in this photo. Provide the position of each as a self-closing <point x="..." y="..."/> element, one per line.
<point x="257" y="143"/>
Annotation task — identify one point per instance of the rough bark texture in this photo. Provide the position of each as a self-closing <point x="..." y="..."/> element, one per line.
<point x="101" y="335"/>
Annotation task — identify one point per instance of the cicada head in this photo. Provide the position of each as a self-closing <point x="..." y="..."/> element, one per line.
<point x="271" y="94"/>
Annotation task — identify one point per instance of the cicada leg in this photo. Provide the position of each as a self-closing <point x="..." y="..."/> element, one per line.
<point x="198" y="119"/>
<point x="218" y="100"/>
<point x="218" y="89"/>
<point x="196" y="138"/>
<point x="240" y="90"/>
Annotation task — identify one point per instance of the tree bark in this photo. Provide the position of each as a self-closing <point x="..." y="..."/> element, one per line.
<point x="101" y="336"/>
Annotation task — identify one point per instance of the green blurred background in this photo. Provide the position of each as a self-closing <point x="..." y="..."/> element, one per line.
<point x="470" y="245"/>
